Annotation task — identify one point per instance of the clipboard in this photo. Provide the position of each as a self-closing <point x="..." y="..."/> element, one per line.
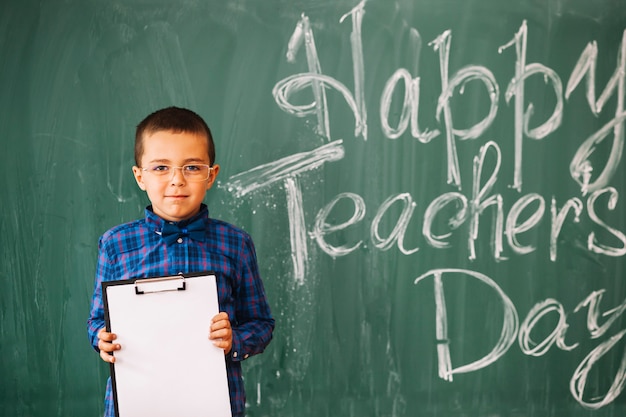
<point x="167" y="365"/>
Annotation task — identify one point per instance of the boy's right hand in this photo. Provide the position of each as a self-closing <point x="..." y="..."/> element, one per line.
<point x="106" y="345"/>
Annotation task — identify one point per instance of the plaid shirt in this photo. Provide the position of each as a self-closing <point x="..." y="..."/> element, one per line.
<point x="136" y="250"/>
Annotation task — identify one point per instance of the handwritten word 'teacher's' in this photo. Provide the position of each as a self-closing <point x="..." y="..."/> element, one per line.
<point x="469" y="210"/>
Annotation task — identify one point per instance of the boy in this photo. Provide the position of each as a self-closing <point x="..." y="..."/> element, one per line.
<point x="175" y="165"/>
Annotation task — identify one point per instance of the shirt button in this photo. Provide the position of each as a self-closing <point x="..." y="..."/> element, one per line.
<point x="246" y="356"/>
<point x="234" y="354"/>
<point x="180" y="240"/>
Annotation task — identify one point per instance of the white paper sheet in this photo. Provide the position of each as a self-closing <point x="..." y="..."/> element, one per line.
<point x="167" y="365"/>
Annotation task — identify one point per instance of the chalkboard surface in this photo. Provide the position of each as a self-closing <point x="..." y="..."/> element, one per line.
<point x="435" y="189"/>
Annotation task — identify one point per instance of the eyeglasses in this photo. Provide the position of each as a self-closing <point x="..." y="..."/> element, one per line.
<point x="191" y="172"/>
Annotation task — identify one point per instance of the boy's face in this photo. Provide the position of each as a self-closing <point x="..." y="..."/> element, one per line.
<point x="173" y="196"/>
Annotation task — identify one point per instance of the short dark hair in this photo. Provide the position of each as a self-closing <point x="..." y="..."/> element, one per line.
<point x="173" y="119"/>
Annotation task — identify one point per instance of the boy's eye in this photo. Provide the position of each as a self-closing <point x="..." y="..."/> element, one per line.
<point x="160" y="168"/>
<point x="192" y="168"/>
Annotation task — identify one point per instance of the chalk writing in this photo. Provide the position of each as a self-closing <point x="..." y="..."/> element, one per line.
<point x="287" y="170"/>
<point x="580" y="167"/>
<point x="468" y="208"/>
<point x="512" y="330"/>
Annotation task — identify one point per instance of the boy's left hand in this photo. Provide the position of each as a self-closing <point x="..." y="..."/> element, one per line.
<point x="221" y="332"/>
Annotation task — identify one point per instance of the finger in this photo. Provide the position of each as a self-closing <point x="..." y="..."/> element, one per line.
<point x="221" y="334"/>
<point x="220" y="316"/>
<point x="222" y="324"/>
<point x="220" y="321"/>
<point x="106" y="336"/>
<point x="108" y="347"/>
<point x="222" y="344"/>
<point x="105" y="356"/>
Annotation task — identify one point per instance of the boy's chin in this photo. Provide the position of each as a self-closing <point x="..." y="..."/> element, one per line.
<point x="176" y="214"/>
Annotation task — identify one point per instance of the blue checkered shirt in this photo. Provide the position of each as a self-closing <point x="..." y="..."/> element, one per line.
<point x="136" y="250"/>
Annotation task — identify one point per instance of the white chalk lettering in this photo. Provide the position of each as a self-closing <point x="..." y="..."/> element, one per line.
<point x="509" y="326"/>
<point x="480" y="201"/>
<point x="539" y="310"/>
<point x="516" y="88"/>
<point x="593" y="314"/>
<point x="322" y="228"/>
<point x="581" y="167"/>
<point x="410" y="108"/>
<point x="459" y="215"/>
<point x="437" y="241"/>
<point x="592" y="242"/>
<point x="304" y="35"/>
<point x="397" y="234"/>
<point x="286" y="170"/>
<point x="513" y="228"/>
<point x="448" y="86"/>
<point x="578" y="382"/>
<point x="558" y="218"/>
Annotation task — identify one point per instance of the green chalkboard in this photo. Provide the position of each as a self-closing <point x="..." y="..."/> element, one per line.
<point x="435" y="189"/>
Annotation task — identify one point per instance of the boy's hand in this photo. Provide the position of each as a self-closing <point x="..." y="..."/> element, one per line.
<point x="221" y="332"/>
<point x="106" y="345"/>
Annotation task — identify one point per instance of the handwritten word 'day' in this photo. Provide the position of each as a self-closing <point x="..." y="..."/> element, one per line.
<point x="512" y="330"/>
<point x="581" y="166"/>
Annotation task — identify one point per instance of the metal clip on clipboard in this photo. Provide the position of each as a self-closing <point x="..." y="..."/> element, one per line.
<point x="173" y="283"/>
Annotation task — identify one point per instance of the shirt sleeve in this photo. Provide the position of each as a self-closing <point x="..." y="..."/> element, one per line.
<point x="254" y="325"/>
<point x="96" y="315"/>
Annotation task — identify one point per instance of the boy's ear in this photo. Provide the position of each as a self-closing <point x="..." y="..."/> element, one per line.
<point x="138" y="173"/>
<point x="213" y="175"/>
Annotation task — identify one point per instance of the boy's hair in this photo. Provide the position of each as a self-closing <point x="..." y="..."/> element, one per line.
<point x="173" y="119"/>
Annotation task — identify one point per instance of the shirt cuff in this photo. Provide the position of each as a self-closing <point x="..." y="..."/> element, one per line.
<point x="236" y="352"/>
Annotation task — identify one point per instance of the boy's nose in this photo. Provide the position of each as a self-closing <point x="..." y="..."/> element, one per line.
<point x="177" y="176"/>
